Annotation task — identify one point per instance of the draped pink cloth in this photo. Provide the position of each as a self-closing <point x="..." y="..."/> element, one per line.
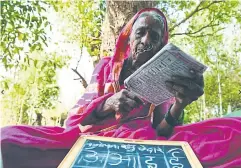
<point x="216" y="142"/>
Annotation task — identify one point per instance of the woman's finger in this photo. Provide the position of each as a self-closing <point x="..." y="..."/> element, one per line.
<point x="134" y="97"/>
<point x="125" y="109"/>
<point x="179" y="88"/>
<point x="198" y="91"/>
<point x="188" y="82"/>
<point x="200" y="81"/>
<point x="131" y="103"/>
<point x="169" y="86"/>
<point x="173" y="87"/>
<point x="191" y="93"/>
<point x="198" y="77"/>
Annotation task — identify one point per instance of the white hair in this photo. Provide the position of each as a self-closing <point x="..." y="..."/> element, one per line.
<point x="155" y="16"/>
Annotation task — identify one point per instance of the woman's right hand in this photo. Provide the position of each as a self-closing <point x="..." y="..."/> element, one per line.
<point x="122" y="102"/>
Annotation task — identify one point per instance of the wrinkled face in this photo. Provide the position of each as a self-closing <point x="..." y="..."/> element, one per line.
<point x="145" y="39"/>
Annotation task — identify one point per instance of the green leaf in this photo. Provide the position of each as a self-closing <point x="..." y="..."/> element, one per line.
<point x="6" y="86"/>
<point x="20" y="36"/>
<point x="43" y="66"/>
<point x="55" y="8"/>
<point x="35" y="63"/>
<point x="34" y="19"/>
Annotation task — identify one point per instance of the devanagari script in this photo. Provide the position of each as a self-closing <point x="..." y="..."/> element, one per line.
<point x="148" y="82"/>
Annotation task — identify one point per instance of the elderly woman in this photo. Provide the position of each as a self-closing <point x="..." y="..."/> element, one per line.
<point x="108" y="109"/>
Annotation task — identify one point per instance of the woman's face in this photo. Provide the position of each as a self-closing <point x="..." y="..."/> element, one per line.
<point x="145" y="39"/>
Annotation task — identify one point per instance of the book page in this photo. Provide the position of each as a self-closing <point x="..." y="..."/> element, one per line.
<point x="148" y="82"/>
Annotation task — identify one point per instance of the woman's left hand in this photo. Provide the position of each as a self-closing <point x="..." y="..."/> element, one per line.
<point x="186" y="90"/>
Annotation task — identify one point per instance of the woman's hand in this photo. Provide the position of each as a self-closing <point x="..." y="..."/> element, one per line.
<point x="186" y="90"/>
<point x="122" y="102"/>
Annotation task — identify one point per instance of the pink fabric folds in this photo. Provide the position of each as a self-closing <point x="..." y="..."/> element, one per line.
<point x="216" y="142"/>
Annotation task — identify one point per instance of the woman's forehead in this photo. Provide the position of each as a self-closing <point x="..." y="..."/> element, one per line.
<point x="148" y="21"/>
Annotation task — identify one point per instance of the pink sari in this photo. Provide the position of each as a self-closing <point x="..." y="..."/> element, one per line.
<point x="216" y="142"/>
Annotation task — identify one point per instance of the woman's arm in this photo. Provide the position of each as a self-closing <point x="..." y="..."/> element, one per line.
<point x="173" y="117"/>
<point x="98" y="114"/>
<point x="186" y="90"/>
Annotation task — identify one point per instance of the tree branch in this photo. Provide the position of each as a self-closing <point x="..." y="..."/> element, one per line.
<point x="94" y="38"/>
<point x="190" y="33"/>
<point x="208" y="34"/>
<point x="197" y="9"/>
<point x="83" y="81"/>
<point x="185" y="19"/>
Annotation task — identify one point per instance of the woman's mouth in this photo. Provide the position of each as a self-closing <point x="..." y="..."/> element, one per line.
<point x="142" y="55"/>
<point x="145" y="49"/>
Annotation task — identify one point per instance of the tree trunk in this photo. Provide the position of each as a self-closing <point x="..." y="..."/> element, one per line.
<point x="117" y="15"/>
<point x="38" y="121"/>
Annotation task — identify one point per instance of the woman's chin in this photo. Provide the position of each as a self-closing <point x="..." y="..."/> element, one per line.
<point x="137" y="64"/>
<point x="142" y="59"/>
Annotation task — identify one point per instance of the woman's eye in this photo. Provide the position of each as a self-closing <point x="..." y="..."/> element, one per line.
<point x="139" y="33"/>
<point x="155" y="37"/>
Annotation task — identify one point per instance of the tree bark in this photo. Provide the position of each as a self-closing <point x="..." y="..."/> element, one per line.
<point x="117" y="15"/>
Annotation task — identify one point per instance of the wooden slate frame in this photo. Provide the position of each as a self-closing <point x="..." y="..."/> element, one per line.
<point x="74" y="151"/>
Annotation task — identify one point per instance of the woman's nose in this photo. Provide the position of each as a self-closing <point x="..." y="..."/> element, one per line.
<point x="146" y="39"/>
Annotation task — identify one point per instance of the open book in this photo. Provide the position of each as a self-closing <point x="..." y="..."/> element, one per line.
<point x="148" y="82"/>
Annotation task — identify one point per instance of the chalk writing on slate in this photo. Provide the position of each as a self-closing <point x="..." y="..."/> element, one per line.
<point x="104" y="154"/>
